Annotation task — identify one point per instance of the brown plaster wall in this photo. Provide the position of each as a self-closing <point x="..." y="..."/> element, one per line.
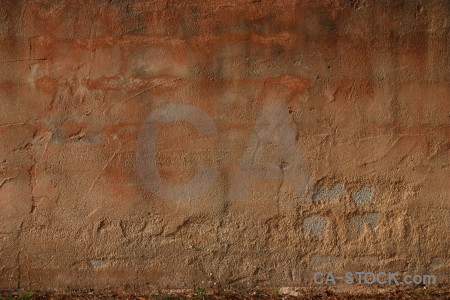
<point x="361" y="97"/>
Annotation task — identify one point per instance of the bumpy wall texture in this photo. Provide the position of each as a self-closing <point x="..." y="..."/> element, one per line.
<point x="282" y="138"/>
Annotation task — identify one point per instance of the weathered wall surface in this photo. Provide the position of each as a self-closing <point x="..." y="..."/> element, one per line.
<point x="360" y="88"/>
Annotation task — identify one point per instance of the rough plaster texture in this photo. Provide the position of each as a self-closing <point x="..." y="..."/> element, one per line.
<point x="365" y="88"/>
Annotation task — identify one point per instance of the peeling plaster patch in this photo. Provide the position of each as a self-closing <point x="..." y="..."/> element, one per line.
<point x="436" y="261"/>
<point x="371" y="218"/>
<point x="362" y="196"/>
<point x="327" y="194"/>
<point x="330" y="93"/>
<point x="97" y="263"/>
<point x="314" y="223"/>
<point x="3" y="181"/>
